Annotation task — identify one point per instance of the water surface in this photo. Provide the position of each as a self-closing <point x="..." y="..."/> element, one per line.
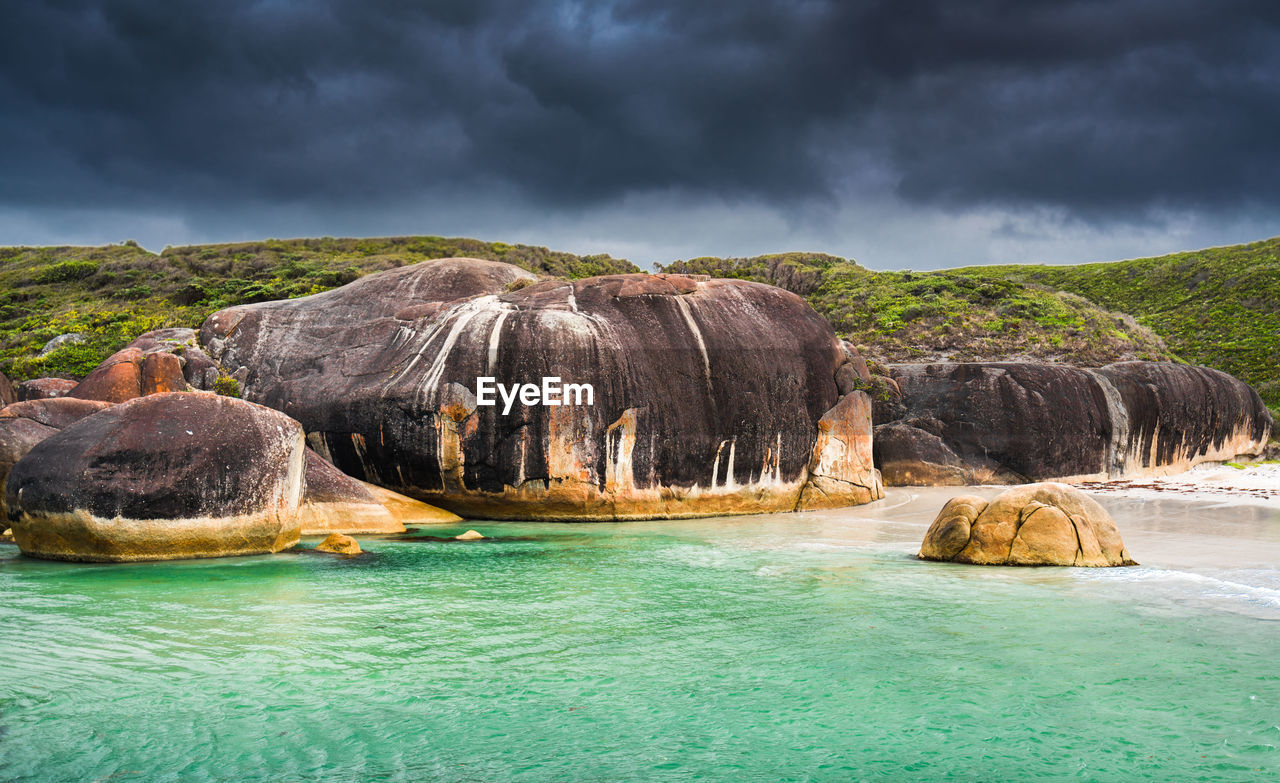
<point x="781" y="647"/>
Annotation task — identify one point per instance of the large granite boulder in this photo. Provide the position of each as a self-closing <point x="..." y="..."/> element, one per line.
<point x="337" y="503"/>
<point x="1039" y="524"/>
<point x="706" y="395"/>
<point x="24" y="424"/>
<point x="161" y="477"/>
<point x="7" y="393"/>
<point x="1009" y="422"/>
<point x="44" y="388"/>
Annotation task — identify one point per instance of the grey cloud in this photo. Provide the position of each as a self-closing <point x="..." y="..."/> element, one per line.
<point x="1107" y="111"/>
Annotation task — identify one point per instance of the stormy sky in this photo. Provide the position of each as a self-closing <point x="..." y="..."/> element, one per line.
<point x="902" y="134"/>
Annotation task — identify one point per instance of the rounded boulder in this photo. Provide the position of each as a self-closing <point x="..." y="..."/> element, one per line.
<point x="690" y="396"/>
<point x="1032" y="525"/>
<point x="162" y="477"/>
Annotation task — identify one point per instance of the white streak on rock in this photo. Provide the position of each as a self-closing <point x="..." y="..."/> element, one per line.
<point x="683" y="303"/>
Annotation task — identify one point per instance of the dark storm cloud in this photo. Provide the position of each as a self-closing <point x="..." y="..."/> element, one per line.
<point x="1101" y="108"/>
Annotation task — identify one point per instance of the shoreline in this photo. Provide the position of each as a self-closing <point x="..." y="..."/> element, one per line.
<point x="1230" y="483"/>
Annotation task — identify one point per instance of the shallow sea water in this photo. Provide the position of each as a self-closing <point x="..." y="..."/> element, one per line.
<point x="779" y="647"/>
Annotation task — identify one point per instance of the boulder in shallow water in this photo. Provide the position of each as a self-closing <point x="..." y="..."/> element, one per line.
<point x="470" y="535"/>
<point x="24" y="424"/>
<point x="706" y="394"/>
<point x="339" y="544"/>
<point x="161" y="477"/>
<point x="337" y="503"/>
<point x="1036" y="524"/>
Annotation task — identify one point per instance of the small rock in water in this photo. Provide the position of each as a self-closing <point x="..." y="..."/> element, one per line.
<point x="470" y="535"/>
<point x="339" y="544"/>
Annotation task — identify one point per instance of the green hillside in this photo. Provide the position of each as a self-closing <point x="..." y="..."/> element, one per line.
<point x="1219" y="307"/>
<point x="112" y="294"/>
<point x="949" y="315"/>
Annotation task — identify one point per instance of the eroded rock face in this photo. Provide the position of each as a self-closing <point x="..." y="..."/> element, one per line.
<point x="161" y="477"/>
<point x="841" y="472"/>
<point x="707" y="393"/>
<point x="128" y="373"/>
<point x="197" y="369"/>
<point x="1008" y="423"/>
<point x="44" y="388"/>
<point x="56" y="412"/>
<point x="7" y="393"/>
<point x="336" y="503"/>
<point x="1039" y="524"/>
<point x="24" y="424"/>
<point x="166" y="360"/>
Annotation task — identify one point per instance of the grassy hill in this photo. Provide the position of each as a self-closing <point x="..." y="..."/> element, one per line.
<point x="1219" y="307"/>
<point x="961" y="315"/>
<point x="112" y="294"/>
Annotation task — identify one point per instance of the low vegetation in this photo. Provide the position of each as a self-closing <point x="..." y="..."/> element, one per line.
<point x="1219" y="307"/>
<point x="945" y="315"/>
<point x="110" y="295"/>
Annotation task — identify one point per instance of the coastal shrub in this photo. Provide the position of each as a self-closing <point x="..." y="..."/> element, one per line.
<point x="75" y="359"/>
<point x="227" y="386"/>
<point x="134" y="292"/>
<point x="67" y="271"/>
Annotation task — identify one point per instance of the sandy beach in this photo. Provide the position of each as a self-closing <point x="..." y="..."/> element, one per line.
<point x="1249" y="485"/>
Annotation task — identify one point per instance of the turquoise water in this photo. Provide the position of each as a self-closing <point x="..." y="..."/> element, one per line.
<point x="787" y="647"/>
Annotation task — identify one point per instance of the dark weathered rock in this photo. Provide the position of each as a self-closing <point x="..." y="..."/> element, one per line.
<point x="915" y="457"/>
<point x="57" y="412"/>
<point x="44" y="388"/>
<point x="17" y="437"/>
<point x="707" y="393"/>
<point x="337" y="503"/>
<point x="1017" y="422"/>
<point x="24" y="424"/>
<point x="1176" y="416"/>
<point x="161" y="477"/>
<point x="1039" y="524"/>
<point x="7" y="393"/>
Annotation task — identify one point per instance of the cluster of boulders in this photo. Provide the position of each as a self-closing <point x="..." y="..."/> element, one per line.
<point x="705" y="397"/>
<point x="693" y="396"/>
<point x="136" y="464"/>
